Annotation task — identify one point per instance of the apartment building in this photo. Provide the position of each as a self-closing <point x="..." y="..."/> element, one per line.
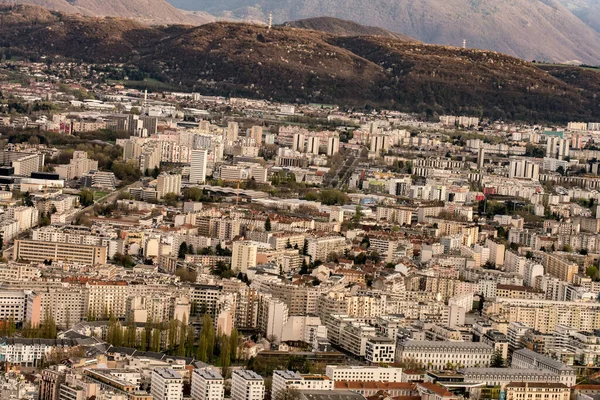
<point x="207" y="384"/>
<point x="20" y="305"/>
<point x="438" y="355"/>
<point x="357" y="373"/>
<point x="79" y="165"/>
<point x="31" y="352"/>
<point x="537" y="390"/>
<point x="166" y="384"/>
<point x="561" y="268"/>
<point x="243" y="256"/>
<point x="38" y="251"/>
<point x="503" y="376"/>
<point x="247" y="385"/>
<point x="168" y="183"/>
<point x="526" y="358"/>
<point x="284" y="380"/>
<point x="318" y="248"/>
<point x="380" y="350"/>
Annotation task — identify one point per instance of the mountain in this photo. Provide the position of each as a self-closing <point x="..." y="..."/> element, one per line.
<point x="150" y="11"/>
<point x="529" y="29"/>
<point x="587" y="11"/>
<point x="288" y="64"/>
<point x="341" y="27"/>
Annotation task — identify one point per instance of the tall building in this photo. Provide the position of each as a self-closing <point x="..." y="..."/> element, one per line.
<point x="207" y="384"/>
<point x="298" y="143"/>
<point x="50" y="382"/>
<point x="166" y="384"/>
<point x="243" y="256"/>
<point x="560" y="267"/>
<point x="380" y="143"/>
<point x="167" y="183"/>
<point x="333" y="145"/>
<point x="480" y="158"/>
<point x="247" y="385"/>
<point x="233" y="129"/>
<point x="312" y="146"/>
<point x="198" y="166"/>
<point x="38" y="251"/>
<point x="256" y="133"/>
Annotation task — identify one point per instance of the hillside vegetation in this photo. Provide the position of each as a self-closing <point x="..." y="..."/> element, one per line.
<point x="290" y="64"/>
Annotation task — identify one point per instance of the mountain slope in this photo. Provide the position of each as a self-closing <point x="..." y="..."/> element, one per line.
<point x="341" y="27"/>
<point x="586" y="10"/>
<point x="530" y="29"/>
<point x="150" y="11"/>
<point x="287" y="64"/>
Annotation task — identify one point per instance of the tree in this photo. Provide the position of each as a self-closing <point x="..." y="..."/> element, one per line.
<point x="182" y="250"/>
<point x="358" y="214"/>
<point x="206" y="345"/>
<point x="592" y="272"/>
<point x="170" y="199"/>
<point x="268" y="225"/>
<point x="86" y="197"/>
<point x="234" y="343"/>
<point x="155" y="172"/>
<point x="497" y="360"/>
<point x="225" y="356"/>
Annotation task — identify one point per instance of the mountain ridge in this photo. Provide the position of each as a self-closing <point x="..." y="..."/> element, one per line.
<point x="147" y="11"/>
<point x="529" y="29"/>
<point x="297" y="65"/>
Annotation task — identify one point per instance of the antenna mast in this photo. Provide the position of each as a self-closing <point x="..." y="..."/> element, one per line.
<point x="270" y="20"/>
<point x="464" y="43"/>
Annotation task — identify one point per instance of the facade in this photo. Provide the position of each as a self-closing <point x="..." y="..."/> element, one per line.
<point x="38" y="251"/>
<point x="207" y="384"/>
<point x="247" y="385"/>
<point x="353" y="373"/>
<point x="198" y="166"/>
<point x="525" y="358"/>
<point x="537" y="390"/>
<point x="438" y="355"/>
<point x="380" y="350"/>
<point x="167" y="384"/>
<point x="243" y="256"/>
<point x="167" y="183"/>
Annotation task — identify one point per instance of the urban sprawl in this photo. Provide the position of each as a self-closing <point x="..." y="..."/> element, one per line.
<point x="167" y="245"/>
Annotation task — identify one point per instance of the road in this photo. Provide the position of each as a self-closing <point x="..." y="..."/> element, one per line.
<point x="109" y="198"/>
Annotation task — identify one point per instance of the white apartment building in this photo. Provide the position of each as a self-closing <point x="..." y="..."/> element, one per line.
<point x="166" y="384"/>
<point x="312" y="147"/>
<point x="207" y="384"/>
<point x="333" y="145"/>
<point x="243" y="256"/>
<point x="354" y="373"/>
<point x="29" y="352"/>
<point x="283" y="380"/>
<point x="380" y="350"/>
<point x="437" y="355"/>
<point x="167" y="183"/>
<point x="198" y="166"/>
<point x="503" y="376"/>
<point x="318" y="248"/>
<point x="247" y="385"/>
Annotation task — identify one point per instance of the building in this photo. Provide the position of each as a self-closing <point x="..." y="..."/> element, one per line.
<point x="355" y="373"/>
<point x="333" y="145"/>
<point x="79" y="165"/>
<point x="50" y="382"/>
<point x="198" y="166"/>
<point x="380" y="350"/>
<point x="207" y="384"/>
<point x="560" y="267"/>
<point x="439" y="355"/>
<point x="318" y="248"/>
<point x="298" y="143"/>
<point x="166" y="384"/>
<point x="525" y="358"/>
<point x="233" y="130"/>
<point x="284" y="380"/>
<point x="31" y="352"/>
<point x="247" y="385"/>
<point x="312" y="146"/>
<point x="167" y="183"/>
<point x="503" y="376"/>
<point x="537" y="390"/>
<point x="38" y="251"/>
<point x="243" y="256"/>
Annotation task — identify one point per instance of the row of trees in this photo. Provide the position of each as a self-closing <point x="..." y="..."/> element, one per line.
<point x="177" y="338"/>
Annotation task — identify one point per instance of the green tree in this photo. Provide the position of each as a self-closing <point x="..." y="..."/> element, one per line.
<point x="592" y="272"/>
<point x="268" y="225"/>
<point x="234" y="344"/>
<point x="497" y="360"/>
<point x="182" y="250"/>
<point x="86" y="197"/>
<point x="225" y="356"/>
<point x="170" y="199"/>
<point x="155" y="172"/>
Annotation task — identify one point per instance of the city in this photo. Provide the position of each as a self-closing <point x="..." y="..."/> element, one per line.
<point x="163" y="244"/>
